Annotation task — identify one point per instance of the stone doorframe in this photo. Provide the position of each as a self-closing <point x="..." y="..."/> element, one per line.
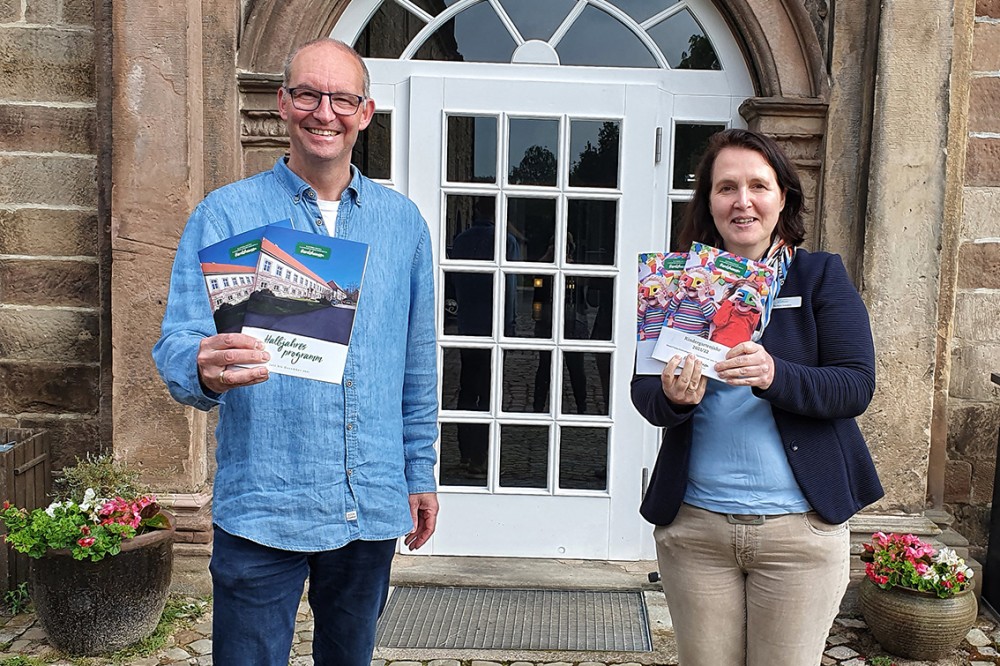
<point x="192" y="95"/>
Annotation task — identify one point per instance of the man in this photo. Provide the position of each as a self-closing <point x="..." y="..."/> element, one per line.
<point x="314" y="479"/>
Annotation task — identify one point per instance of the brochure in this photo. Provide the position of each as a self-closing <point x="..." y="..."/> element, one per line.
<point x="717" y="304"/>
<point x="302" y="298"/>
<point x="658" y="274"/>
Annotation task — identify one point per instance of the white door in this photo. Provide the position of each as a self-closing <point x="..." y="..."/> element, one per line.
<point x="539" y="195"/>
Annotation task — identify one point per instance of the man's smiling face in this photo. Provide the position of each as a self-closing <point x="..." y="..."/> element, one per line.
<point x="322" y="139"/>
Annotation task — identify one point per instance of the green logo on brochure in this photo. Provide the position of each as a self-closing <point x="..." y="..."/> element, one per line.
<point x="314" y="251"/>
<point x="731" y="266"/>
<point x="675" y="263"/>
<point x="244" y="249"/>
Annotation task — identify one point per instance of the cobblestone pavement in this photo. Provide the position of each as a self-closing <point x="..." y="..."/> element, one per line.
<point x="849" y="644"/>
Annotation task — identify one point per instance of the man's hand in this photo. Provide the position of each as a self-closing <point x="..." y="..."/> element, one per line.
<point x="217" y="353"/>
<point x="423" y="511"/>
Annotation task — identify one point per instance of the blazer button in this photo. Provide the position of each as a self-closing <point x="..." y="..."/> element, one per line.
<point x="795" y="447"/>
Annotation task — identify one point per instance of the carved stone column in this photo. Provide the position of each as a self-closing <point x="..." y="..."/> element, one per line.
<point x="798" y="125"/>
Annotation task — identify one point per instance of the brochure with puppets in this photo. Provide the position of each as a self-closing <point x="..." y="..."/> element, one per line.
<point x="717" y="303"/>
<point x="658" y="274"/>
<point x="296" y="291"/>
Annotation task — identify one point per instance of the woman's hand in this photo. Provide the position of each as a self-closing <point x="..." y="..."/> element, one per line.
<point x="747" y="364"/>
<point x="686" y="388"/>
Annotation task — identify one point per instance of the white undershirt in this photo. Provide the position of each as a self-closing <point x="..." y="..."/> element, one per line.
<point x="329" y="210"/>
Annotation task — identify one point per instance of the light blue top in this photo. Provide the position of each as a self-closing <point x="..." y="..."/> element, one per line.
<point x="306" y="465"/>
<point x="738" y="462"/>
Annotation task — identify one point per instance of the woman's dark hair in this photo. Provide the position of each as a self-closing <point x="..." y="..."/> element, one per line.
<point x="698" y="224"/>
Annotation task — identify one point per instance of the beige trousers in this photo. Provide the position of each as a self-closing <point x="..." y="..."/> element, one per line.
<point x="744" y="594"/>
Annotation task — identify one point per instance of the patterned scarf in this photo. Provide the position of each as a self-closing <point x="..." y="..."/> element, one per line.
<point x="779" y="257"/>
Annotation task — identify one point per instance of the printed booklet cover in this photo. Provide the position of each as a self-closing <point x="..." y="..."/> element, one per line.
<point x="300" y="297"/>
<point x="658" y="274"/>
<point x="717" y="304"/>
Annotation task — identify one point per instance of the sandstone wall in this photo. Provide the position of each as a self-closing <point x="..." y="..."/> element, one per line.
<point x="974" y="405"/>
<point x="50" y="271"/>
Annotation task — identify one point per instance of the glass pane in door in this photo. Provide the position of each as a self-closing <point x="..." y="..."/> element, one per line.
<point x="583" y="458"/>
<point x="526" y="378"/>
<point x="593" y="150"/>
<point x="468" y="303"/>
<point x="531" y="224"/>
<point x="472" y="149"/>
<point x="524" y="456"/>
<point x="592" y="228"/>
<point x="533" y="146"/>
<point x="585" y="382"/>
<point x="464" y="454"/>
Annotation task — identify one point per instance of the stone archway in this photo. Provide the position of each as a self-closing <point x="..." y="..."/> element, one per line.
<point x="777" y="38"/>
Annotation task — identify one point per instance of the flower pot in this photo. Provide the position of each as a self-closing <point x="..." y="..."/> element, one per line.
<point x="90" y="608"/>
<point x="917" y="625"/>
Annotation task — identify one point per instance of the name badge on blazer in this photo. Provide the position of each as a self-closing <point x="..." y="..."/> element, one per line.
<point x="787" y="302"/>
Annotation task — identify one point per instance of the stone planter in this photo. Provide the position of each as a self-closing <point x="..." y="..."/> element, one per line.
<point x="917" y="625"/>
<point x="90" y="608"/>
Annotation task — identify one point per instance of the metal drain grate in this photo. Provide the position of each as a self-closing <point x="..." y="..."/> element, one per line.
<point x="492" y="619"/>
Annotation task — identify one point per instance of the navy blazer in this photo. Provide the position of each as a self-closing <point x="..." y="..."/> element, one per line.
<point x="824" y="376"/>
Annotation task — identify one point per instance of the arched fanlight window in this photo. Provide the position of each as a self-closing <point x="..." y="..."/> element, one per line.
<point x="660" y="34"/>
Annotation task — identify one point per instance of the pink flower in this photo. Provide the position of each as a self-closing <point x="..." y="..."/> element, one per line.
<point x="86" y="542"/>
<point x="85" y="530"/>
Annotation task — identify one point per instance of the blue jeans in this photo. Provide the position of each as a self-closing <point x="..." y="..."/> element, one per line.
<point x="256" y="592"/>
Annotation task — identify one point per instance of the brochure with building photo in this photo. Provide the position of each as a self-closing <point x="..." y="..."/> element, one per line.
<point x="658" y="274"/>
<point x="303" y="299"/>
<point x="230" y="270"/>
<point x="719" y="300"/>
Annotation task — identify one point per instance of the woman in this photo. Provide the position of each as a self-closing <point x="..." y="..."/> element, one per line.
<point x="757" y="474"/>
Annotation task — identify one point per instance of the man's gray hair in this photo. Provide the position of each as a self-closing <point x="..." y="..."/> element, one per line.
<point x="347" y="48"/>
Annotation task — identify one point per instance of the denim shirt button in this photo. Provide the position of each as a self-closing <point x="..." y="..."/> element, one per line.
<point x="319" y="221"/>
<point x="350" y="426"/>
<point x="348" y="383"/>
<point x="295" y="198"/>
<point x="311" y="194"/>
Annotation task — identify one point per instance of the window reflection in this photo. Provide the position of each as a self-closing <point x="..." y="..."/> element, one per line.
<point x="470" y="226"/>
<point x="589" y="307"/>
<point x="526" y="379"/>
<point x="388" y="33"/>
<point x="472" y="149"/>
<point x="641" y="10"/>
<point x="468" y="303"/>
<point x="466" y="380"/>
<point x="594" y="153"/>
<point x="583" y="458"/>
<point x="597" y="39"/>
<point x="683" y="43"/>
<point x="677" y="211"/>
<point x="373" y="150"/>
<point x="531" y="223"/>
<point x="474" y="35"/>
<point x="533" y="146"/>
<point x="458" y="465"/>
<point x="592" y="228"/>
<point x="585" y="383"/>
<point x="690" y="142"/>
<point x="530" y="313"/>
<point x="524" y="456"/>
<point x="537" y="20"/>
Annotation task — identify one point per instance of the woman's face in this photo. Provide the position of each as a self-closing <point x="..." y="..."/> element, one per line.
<point x="745" y="201"/>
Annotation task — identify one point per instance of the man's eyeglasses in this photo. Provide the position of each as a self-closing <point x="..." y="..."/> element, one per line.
<point x="307" y="99"/>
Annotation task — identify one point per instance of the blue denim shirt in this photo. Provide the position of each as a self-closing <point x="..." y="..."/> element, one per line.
<point x="306" y="465"/>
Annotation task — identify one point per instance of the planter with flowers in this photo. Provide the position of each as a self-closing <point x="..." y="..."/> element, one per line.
<point x="101" y="558"/>
<point x="917" y="601"/>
